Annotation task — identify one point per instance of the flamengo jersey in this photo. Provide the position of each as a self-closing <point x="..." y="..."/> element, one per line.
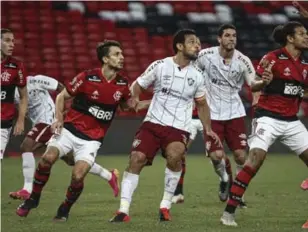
<point x="95" y="103"/>
<point x="282" y="97"/>
<point x="174" y="91"/>
<point x="41" y="108"/>
<point x="223" y="82"/>
<point x="12" y="75"/>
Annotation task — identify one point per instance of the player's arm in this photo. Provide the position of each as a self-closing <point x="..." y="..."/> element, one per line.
<point x="264" y="74"/>
<point x="48" y="83"/>
<point x="60" y="104"/>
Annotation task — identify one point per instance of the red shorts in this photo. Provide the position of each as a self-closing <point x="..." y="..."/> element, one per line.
<point x="151" y="137"/>
<point x="232" y="131"/>
<point x="40" y="133"/>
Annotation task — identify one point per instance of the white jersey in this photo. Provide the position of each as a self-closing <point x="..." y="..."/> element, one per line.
<point x="223" y="82"/>
<point x="41" y="108"/>
<point x="174" y="92"/>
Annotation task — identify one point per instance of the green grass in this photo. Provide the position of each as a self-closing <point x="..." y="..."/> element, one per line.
<point x="276" y="203"/>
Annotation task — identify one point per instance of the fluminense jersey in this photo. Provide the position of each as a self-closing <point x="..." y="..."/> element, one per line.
<point x="224" y="81"/>
<point x="41" y="108"/>
<point x="175" y="89"/>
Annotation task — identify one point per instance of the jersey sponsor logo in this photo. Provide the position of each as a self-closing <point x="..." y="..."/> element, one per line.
<point x="117" y="95"/>
<point x="10" y="65"/>
<point x="5" y="76"/>
<point x="121" y="82"/>
<point x="95" y="95"/>
<point x="287" y="71"/>
<point x="283" y="57"/>
<point x="304" y="62"/>
<point x="173" y="93"/>
<point x="76" y="85"/>
<point x="136" y="143"/>
<point x="100" y="114"/>
<point x="94" y="78"/>
<point x="293" y="90"/>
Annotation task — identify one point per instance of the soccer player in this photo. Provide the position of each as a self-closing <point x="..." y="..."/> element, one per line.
<point x="12" y="76"/>
<point x="41" y="111"/>
<point x="225" y="70"/>
<point x="97" y="93"/>
<point x="283" y="79"/>
<point x="166" y="126"/>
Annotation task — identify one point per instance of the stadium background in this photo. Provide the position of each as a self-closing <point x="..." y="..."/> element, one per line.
<point x="58" y="39"/>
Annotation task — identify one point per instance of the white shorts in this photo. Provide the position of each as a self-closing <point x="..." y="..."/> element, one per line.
<point x="266" y="130"/>
<point x="195" y="126"/>
<point x="84" y="150"/>
<point x="5" y="136"/>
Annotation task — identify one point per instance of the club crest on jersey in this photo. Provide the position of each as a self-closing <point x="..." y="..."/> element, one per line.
<point x="304" y="74"/>
<point x="287" y="71"/>
<point x="5" y="76"/>
<point x="190" y="81"/>
<point x="95" y="95"/>
<point x="117" y="96"/>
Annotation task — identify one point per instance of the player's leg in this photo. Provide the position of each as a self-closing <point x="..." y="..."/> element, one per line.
<point x="217" y="155"/>
<point x="35" y="139"/>
<point x="5" y="135"/>
<point x="174" y="146"/>
<point x="58" y="146"/>
<point x="236" y="140"/>
<point x="265" y="131"/>
<point x="84" y="156"/>
<point x="144" y="148"/>
<point x="179" y="193"/>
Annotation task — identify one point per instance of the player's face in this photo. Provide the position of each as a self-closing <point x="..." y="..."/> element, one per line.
<point x="198" y="45"/>
<point x="7" y="44"/>
<point x="228" y="39"/>
<point x="115" y="59"/>
<point x="190" y="48"/>
<point x="300" y="38"/>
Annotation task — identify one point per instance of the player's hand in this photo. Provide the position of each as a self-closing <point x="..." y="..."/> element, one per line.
<point x="214" y="136"/>
<point x="132" y="102"/>
<point x="267" y="75"/>
<point x="19" y="127"/>
<point x="57" y="126"/>
<point x="301" y="10"/>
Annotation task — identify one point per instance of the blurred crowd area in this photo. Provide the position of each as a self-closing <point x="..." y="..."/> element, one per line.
<point x="58" y="39"/>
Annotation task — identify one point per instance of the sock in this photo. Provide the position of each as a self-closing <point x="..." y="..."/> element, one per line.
<point x="171" y="180"/>
<point x="179" y="187"/>
<point x="98" y="170"/>
<point x="41" y="177"/>
<point x="28" y="168"/>
<point x="238" y="188"/>
<point x="128" y="186"/>
<point x="229" y="168"/>
<point x="220" y="169"/>
<point x="73" y="192"/>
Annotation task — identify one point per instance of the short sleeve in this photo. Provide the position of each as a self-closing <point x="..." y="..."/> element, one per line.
<point x="268" y="59"/>
<point x="21" y="80"/>
<point x="150" y="75"/>
<point x="76" y="85"/>
<point x="45" y="82"/>
<point x="200" y="92"/>
<point x="126" y="93"/>
<point x="202" y="61"/>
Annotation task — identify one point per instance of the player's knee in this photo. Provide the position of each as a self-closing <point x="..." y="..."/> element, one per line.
<point x="78" y="175"/>
<point x="26" y="147"/>
<point x="239" y="157"/>
<point x="217" y="155"/>
<point x="50" y="156"/>
<point x="138" y="158"/>
<point x="256" y="157"/>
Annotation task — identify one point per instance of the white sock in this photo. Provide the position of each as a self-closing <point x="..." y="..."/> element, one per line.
<point x="128" y="186"/>
<point x="220" y="169"/>
<point x="28" y="168"/>
<point x="98" y="170"/>
<point x="171" y="180"/>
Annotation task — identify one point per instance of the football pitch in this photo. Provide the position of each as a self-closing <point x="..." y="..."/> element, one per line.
<point x="275" y="201"/>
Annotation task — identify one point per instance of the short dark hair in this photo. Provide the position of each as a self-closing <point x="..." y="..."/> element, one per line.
<point x="224" y="27"/>
<point x="102" y="48"/>
<point x="5" y="30"/>
<point x="281" y="32"/>
<point x="179" y="37"/>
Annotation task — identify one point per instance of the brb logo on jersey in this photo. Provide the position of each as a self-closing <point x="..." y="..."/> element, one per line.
<point x="100" y="114"/>
<point x="293" y="90"/>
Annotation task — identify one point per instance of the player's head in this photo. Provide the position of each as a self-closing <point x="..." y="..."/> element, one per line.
<point x="185" y="42"/>
<point x="227" y="36"/>
<point x="7" y="42"/>
<point x="198" y="44"/>
<point x="291" y="33"/>
<point x="110" y="53"/>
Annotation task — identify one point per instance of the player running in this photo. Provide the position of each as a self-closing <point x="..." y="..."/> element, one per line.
<point x="97" y="93"/>
<point x="41" y="112"/>
<point x="12" y="76"/>
<point x="177" y="83"/>
<point x="283" y="74"/>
